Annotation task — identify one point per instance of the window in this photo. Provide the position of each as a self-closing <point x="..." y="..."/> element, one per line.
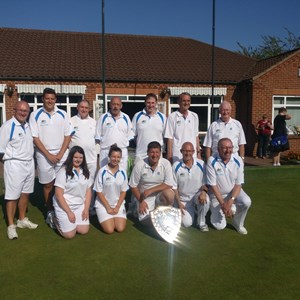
<point x="292" y="104"/>
<point x="67" y="102"/>
<point x="202" y="105"/>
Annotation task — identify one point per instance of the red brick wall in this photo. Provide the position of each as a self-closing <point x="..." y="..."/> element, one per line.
<point x="282" y="79"/>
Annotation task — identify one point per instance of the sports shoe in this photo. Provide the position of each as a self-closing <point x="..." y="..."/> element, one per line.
<point x="203" y="228"/>
<point x="26" y="223"/>
<point x="11" y="232"/>
<point x="49" y="219"/>
<point x="239" y="229"/>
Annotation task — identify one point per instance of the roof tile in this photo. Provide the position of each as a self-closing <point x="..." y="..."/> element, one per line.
<point x="41" y="54"/>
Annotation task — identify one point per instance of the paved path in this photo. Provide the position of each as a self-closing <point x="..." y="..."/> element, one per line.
<point x="258" y="162"/>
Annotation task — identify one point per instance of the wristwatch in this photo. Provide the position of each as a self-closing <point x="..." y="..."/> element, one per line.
<point x="233" y="198"/>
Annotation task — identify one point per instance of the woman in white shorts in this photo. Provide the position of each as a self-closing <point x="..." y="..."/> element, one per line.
<point x="111" y="185"/>
<point x="73" y="195"/>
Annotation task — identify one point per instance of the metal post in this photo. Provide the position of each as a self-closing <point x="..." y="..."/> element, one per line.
<point x="213" y="64"/>
<point x="103" y="58"/>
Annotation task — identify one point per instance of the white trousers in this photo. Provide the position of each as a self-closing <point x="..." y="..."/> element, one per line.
<point x="218" y="219"/>
<point x="192" y="208"/>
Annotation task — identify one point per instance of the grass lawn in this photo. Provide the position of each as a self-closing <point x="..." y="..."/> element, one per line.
<point x="265" y="264"/>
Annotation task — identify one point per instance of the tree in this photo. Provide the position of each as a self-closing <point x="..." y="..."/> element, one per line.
<point x="271" y="46"/>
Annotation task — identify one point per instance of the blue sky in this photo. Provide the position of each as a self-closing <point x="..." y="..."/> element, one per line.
<point x="236" y="20"/>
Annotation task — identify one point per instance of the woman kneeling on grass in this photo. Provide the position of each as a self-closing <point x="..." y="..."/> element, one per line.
<point x="73" y="195"/>
<point x="111" y="185"/>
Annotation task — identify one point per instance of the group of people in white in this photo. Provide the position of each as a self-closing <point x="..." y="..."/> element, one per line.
<point x="74" y="183"/>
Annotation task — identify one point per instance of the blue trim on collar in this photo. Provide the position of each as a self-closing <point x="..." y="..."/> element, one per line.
<point x="199" y="165"/>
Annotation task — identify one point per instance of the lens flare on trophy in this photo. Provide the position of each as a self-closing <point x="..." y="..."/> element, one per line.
<point x="166" y="221"/>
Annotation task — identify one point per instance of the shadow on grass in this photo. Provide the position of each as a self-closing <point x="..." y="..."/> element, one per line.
<point x="37" y="199"/>
<point x="3" y="208"/>
<point x="94" y="222"/>
<point x="148" y="230"/>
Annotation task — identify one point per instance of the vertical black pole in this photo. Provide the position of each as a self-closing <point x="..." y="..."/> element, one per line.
<point x="213" y="64"/>
<point x="103" y="58"/>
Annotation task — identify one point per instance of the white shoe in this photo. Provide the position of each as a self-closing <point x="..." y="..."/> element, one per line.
<point x="26" y="223"/>
<point x="11" y="232"/>
<point x="49" y="219"/>
<point x="204" y="228"/>
<point x="239" y="229"/>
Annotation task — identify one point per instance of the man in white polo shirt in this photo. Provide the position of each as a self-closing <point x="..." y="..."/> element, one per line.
<point x="114" y="127"/>
<point x="148" y="125"/>
<point x="182" y="126"/>
<point x="51" y="130"/>
<point x="190" y="188"/>
<point x="228" y="127"/>
<point x="151" y="182"/>
<point x="225" y="176"/>
<point x="16" y="152"/>
<point x="84" y="135"/>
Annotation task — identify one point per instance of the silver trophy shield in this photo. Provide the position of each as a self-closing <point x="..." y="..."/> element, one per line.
<point x="166" y="221"/>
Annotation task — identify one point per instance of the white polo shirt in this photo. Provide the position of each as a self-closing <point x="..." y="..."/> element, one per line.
<point x="84" y="136"/>
<point x="147" y="129"/>
<point x="50" y="129"/>
<point x="225" y="176"/>
<point x="188" y="181"/>
<point x="111" y="185"/>
<point x="16" y="140"/>
<point x="143" y="177"/>
<point x="219" y="129"/>
<point x="74" y="188"/>
<point x="110" y="130"/>
<point x="182" y="130"/>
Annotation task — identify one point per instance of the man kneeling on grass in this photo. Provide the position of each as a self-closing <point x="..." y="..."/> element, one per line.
<point x="151" y="182"/>
<point x="225" y="176"/>
<point x="191" y="191"/>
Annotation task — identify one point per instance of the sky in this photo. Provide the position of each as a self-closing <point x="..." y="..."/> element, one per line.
<point x="243" y="21"/>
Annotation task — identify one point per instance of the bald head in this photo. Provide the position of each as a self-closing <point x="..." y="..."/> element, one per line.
<point x="21" y="111"/>
<point x="115" y="106"/>
<point x="187" y="150"/>
<point x="225" y="111"/>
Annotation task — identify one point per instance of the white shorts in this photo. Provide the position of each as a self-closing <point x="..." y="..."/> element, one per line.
<point x="18" y="178"/>
<point x="104" y="158"/>
<point x="104" y="216"/>
<point x="46" y="170"/>
<point x="152" y="203"/>
<point x="63" y="221"/>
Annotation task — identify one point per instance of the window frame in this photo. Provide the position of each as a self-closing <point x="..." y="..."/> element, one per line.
<point x="284" y="103"/>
